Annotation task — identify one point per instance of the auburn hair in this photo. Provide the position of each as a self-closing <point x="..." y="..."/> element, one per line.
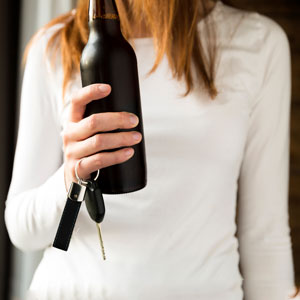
<point x="172" y="24"/>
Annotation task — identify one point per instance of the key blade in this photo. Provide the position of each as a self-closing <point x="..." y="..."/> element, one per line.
<point x="101" y="241"/>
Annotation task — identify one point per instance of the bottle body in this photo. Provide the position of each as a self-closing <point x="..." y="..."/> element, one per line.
<point x="109" y="58"/>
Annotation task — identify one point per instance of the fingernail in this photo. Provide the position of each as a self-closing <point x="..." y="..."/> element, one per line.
<point x="104" y="88"/>
<point x="136" y="136"/>
<point x="133" y="119"/>
<point x="129" y="152"/>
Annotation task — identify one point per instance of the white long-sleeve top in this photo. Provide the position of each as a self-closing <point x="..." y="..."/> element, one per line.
<point x="176" y="238"/>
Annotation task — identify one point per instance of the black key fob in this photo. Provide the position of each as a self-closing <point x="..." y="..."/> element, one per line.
<point x="76" y="195"/>
<point x="94" y="201"/>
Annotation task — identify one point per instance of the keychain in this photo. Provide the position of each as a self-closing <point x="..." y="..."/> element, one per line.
<point x="78" y="192"/>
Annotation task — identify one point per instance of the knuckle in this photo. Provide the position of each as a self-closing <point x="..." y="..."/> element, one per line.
<point x="92" y="122"/>
<point x="92" y="90"/>
<point x="115" y="158"/>
<point x="128" y="138"/>
<point x="72" y="99"/>
<point x="122" y="118"/>
<point x="97" y="141"/>
<point x="121" y="157"/>
<point x="89" y="89"/>
<point x="67" y="134"/>
<point x="68" y="153"/>
<point x="99" y="160"/>
<point x="122" y="139"/>
<point x="65" y="138"/>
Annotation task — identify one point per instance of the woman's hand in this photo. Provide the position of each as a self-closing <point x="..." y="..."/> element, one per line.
<point x="81" y="141"/>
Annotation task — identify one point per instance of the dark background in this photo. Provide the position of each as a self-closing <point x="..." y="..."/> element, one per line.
<point x="285" y="12"/>
<point x="9" y="36"/>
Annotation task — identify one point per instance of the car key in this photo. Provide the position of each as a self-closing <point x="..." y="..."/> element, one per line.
<point x="95" y="207"/>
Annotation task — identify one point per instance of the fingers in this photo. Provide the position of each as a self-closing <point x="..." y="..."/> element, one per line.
<point x="102" y="160"/>
<point x="104" y="141"/>
<point x="102" y="122"/>
<point x="85" y="137"/>
<point x="80" y="99"/>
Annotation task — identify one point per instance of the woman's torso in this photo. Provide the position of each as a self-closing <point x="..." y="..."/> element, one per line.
<point x="174" y="239"/>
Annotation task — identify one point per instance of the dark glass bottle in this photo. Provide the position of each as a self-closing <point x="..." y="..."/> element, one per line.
<point x="109" y="58"/>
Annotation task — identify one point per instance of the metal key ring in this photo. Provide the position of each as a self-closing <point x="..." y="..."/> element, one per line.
<point x="80" y="181"/>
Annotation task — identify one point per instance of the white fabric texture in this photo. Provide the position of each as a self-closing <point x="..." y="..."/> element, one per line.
<point x="34" y="14"/>
<point x="174" y="239"/>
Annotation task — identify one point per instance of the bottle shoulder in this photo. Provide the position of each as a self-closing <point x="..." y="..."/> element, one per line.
<point x="105" y="48"/>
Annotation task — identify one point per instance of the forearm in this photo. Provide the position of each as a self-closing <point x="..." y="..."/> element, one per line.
<point x="32" y="216"/>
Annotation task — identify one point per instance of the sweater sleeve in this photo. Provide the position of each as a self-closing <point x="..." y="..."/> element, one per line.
<point x="37" y="190"/>
<point x="263" y="220"/>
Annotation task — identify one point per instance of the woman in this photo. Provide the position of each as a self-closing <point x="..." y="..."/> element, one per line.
<point x="216" y="124"/>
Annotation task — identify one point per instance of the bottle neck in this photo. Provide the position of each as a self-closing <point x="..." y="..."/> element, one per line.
<point x="104" y="17"/>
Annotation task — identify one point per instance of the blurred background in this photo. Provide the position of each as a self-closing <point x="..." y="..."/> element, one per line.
<point x="19" y="20"/>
